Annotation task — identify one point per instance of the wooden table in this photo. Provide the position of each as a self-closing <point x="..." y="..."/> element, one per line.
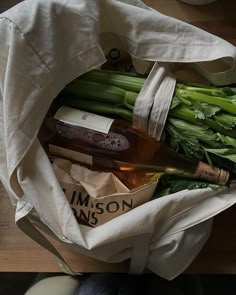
<point x="18" y="253"/>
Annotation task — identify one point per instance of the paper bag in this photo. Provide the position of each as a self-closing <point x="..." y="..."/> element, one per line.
<point x="97" y="197"/>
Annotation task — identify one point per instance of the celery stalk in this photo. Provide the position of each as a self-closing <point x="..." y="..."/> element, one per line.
<point x="97" y="107"/>
<point x="210" y="90"/>
<point x="223" y="103"/>
<point x="184" y="113"/>
<point x="101" y="92"/>
<point x="116" y="79"/>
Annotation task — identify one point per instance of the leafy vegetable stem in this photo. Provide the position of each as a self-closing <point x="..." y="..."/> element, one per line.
<point x="210" y="90"/>
<point x="188" y="115"/>
<point x="214" y="100"/>
<point x="99" y="107"/>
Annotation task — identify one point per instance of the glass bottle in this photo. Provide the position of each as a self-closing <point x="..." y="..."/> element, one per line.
<point x="117" y="145"/>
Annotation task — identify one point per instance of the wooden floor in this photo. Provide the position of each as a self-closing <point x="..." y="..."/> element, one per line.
<point x="19" y="253"/>
<point x="217" y="18"/>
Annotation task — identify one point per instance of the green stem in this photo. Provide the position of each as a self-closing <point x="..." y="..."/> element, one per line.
<point x="97" y="107"/>
<point x="218" y="101"/>
<point x="213" y="91"/>
<point x="128" y="106"/>
<point x="100" y="92"/>
<point x="188" y="115"/>
<point x="95" y="91"/>
<point x="124" y="80"/>
<point x="130" y="98"/>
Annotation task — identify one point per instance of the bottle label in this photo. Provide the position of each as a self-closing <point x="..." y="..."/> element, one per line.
<point x="70" y="154"/>
<point x="83" y="119"/>
<point x="211" y="174"/>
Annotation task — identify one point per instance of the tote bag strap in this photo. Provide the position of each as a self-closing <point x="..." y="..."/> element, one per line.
<point x="139" y="257"/>
<point x="140" y="254"/>
<point x="30" y="230"/>
<point x="224" y="74"/>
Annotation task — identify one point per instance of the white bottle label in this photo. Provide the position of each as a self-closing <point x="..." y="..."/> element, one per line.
<point x="70" y="154"/>
<point x="83" y="119"/>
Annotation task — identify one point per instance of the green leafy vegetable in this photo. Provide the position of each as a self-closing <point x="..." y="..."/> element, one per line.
<point x="175" y="102"/>
<point x="169" y="184"/>
<point x="97" y="107"/>
<point x="101" y="92"/>
<point x="204" y="110"/>
<point x="226" y="158"/>
<point x="127" y="82"/>
<point x="206" y="89"/>
<point x="226" y="121"/>
<point x="224" y="103"/>
<point x="201" y="133"/>
<point x="227" y="140"/>
<point x="225" y="153"/>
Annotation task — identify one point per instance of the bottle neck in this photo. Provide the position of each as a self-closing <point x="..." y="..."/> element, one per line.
<point x="180" y="165"/>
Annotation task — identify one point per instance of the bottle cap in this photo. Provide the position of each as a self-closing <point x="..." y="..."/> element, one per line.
<point x="212" y="174"/>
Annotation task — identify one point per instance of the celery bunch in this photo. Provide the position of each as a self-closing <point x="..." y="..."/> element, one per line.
<point x="201" y="121"/>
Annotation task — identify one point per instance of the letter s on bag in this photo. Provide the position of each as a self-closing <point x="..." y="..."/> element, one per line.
<point x="99" y="207"/>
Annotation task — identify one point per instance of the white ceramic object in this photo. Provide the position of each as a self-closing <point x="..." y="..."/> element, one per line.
<point x="198" y="2"/>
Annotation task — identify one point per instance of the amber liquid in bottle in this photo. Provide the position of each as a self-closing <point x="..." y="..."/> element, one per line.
<point x="118" y="145"/>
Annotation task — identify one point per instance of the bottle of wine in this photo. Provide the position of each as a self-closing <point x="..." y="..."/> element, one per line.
<point x="117" y="145"/>
<point x="136" y="178"/>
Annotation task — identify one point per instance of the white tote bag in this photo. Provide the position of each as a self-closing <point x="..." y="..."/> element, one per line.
<point x="45" y="45"/>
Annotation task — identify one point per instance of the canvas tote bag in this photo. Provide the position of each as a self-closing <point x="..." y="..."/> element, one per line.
<point x="45" y="45"/>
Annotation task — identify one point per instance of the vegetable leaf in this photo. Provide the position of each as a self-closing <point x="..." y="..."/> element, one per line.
<point x="187" y="144"/>
<point x="224" y="153"/>
<point x="232" y="98"/>
<point x="205" y="89"/>
<point x="226" y="121"/>
<point x="204" y="110"/>
<point x="229" y="91"/>
<point x="195" y="132"/>
<point x="199" y="114"/>
<point x="169" y="184"/>
<point x="175" y="102"/>
<point x="227" y="140"/>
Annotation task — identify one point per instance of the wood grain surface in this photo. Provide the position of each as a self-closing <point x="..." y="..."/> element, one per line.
<point x="19" y="253"/>
<point x="217" y="18"/>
